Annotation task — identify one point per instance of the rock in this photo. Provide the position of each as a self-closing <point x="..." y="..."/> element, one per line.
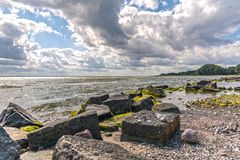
<point x="108" y="134"/>
<point x="119" y="104"/>
<point x="237" y="89"/>
<point x="134" y="94"/>
<point x="167" y="107"/>
<point x="98" y="100"/>
<point x="148" y="126"/>
<point x="103" y="111"/>
<point x="207" y="84"/>
<point x="191" y="87"/>
<point x="9" y="149"/>
<point x="153" y="91"/>
<point x="71" y="147"/>
<point x="15" y="116"/>
<point x="23" y="143"/>
<point x="108" y="126"/>
<point x="143" y="104"/>
<point x="162" y="86"/>
<point x="84" y="134"/>
<point x="210" y="90"/>
<point x="189" y="136"/>
<point x="49" y="134"/>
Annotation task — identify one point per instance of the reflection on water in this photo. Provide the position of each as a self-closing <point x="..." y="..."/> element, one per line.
<point x="63" y="94"/>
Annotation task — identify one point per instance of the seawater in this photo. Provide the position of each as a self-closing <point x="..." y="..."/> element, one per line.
<point x="52" y="98"/>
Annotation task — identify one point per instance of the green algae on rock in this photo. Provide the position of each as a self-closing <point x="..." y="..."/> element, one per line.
<point x="29" y="128"/>
<point x="113" y="123"/>
<point x="224" y="101"/>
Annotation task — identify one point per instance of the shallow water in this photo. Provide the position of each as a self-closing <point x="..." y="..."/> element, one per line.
<point x="63" y="94"/>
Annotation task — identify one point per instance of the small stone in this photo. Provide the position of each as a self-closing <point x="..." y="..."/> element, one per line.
<point x="108" y="134"/>
<point x="189" y="136"/>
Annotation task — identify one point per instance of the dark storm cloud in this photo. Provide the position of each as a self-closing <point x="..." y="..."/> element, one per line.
<point x="100" y="15"/>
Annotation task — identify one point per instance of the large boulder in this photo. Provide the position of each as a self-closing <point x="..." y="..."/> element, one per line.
<point x="167" y="107"/>
<point x="152" y="127"/>
<point x="48" y="135"/>
<point x="9" y="149"/>
<point x="119" y="104"/>
<point x="97" y="99"/>
<point x="72" y="147"/>
<point x="103" y="111"/>
<point x="16" y="116"/>
<point x="143" y="104"/>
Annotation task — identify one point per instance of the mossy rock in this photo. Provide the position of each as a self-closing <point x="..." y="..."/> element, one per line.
<point x="155" y="92"/>
<point x="82" y="109"/>
<point x="29" y="128"/>
<point x="113" y="123"/>
<point x="108" y="126"/>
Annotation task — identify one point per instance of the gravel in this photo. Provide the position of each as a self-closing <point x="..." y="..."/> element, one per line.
<point x="219" y="138"/>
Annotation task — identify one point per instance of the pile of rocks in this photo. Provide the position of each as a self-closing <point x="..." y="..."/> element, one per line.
<point x="205" y="86"/>
<point x="162" y="123"/>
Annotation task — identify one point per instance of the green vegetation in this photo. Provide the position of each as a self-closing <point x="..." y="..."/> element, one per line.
<point x="114" y="122"/>
<point x="174" y="89"/>
<point x="29" y="128"/>
<point x="40" y="124"/>
<point x="81" y="110"/>
<point x="223" y="101"/>
<point x="156" y="93"/>
<point x="209" y="69"/>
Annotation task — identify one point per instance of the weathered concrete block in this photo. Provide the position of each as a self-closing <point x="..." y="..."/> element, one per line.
<point x="97" y="99"/>
<point x="148" y="126"/>
<point x="119" y="104"/>
<point x="49" y="134"/>
<point x="103" y="111"/>
<point x="167" y="107"/>
<point x="144" y="104"/>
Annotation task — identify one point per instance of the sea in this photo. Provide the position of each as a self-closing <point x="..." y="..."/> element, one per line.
<point x="53" y="98"/>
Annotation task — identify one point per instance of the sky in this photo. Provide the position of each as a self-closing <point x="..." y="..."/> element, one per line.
<point x="116" y="37"/>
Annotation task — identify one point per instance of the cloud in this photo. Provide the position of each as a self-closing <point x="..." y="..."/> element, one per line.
<point x="151" y="4"/>
<point x="96" y="21"/>
<point x="119" y="36"/>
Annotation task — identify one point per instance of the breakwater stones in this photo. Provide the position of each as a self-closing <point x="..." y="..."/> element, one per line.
<point x="152" y="127"/>
<point x="119" y="104"/>
<point x="48" y="135"/>
<point x="16" y="116"/>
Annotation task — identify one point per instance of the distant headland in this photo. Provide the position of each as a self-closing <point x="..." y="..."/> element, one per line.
<point x="209" y="69"/>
